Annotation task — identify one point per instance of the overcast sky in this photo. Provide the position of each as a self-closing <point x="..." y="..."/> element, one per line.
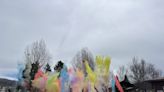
<point x="120" y="29"/>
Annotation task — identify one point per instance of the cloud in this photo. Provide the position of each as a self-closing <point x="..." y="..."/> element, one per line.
<point x="119" y="28"/>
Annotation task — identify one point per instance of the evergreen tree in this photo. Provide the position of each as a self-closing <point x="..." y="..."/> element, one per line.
<point x="34" y="69"/>
<point x="48" y="68"/>
<point x="59" y="66"/>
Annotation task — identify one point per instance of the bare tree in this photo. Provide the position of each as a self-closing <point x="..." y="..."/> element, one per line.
<point x="141" y="71"/>
<point x="153" y="72"/>
<point x="37" y="52"/>
<point x="36" y="55"/>
<point x="83" y="55"/>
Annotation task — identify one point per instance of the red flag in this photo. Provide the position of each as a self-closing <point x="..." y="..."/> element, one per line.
<point x="118" y="85"/>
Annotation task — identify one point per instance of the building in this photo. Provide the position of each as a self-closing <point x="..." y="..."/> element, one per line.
<point x="154" y="85"/>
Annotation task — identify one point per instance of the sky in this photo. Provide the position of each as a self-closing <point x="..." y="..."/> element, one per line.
<point x="121" y="29"/>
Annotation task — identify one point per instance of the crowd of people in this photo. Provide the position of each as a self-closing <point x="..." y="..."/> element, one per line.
<point x="82" y="78"/>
